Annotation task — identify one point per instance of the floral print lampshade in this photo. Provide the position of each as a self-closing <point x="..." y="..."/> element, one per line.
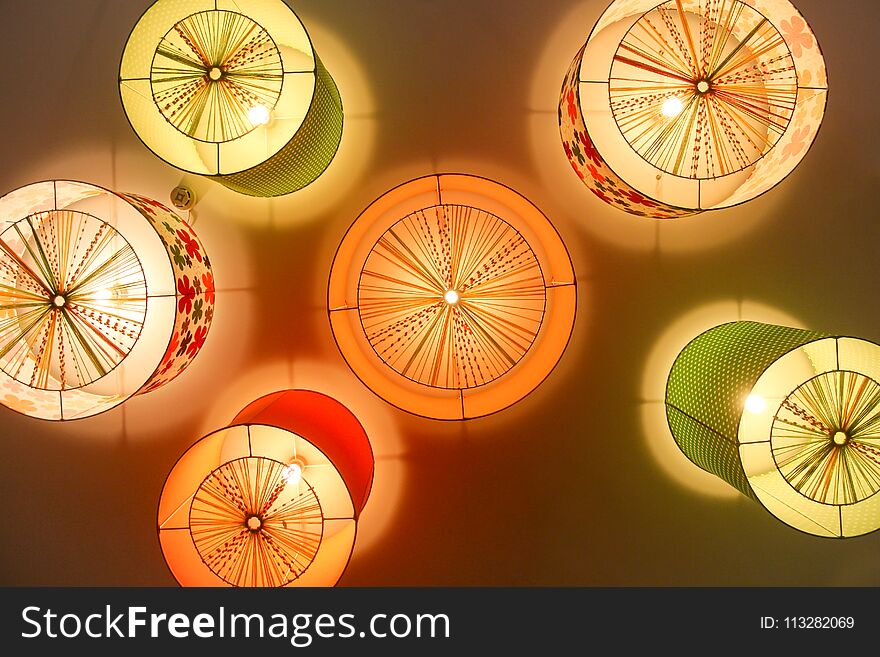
<point x="789" y="417"/>
<point x="677" y="107"/>
<point x="273" y="499"/>
<point x="103" y="295"/>
<point x="452" y="297"/>
<point x="232" y="90"/>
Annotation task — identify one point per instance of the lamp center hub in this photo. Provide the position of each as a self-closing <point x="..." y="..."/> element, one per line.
<point x="254" y="523"/>
<point x="703" y="86"/>
<point x="59" y="301"/>
<point x="451" y="297"/>
<point x="215" y="73"/>
<point x="840" y="438"/>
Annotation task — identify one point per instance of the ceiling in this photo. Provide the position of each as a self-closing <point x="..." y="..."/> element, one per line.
<point x="580" y="483"/>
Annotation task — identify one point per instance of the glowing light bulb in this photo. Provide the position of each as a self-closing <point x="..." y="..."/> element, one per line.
<point x="258" y="115"/>
<point x="671" y="107"/>
<point x="755" y="404"/>
<point x="451" y="297"/>
<point x="293" y="473"/>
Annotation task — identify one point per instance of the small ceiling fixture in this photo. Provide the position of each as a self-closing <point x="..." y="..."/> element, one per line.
<point x="234" y="92"/>
<point x="678" y="107"/>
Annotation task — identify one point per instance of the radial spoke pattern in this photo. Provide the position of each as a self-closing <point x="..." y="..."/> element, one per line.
<point x="210" y="72"/>
<point x="703" y="94"/>
<point x="253" y="526"/>
<point x="73" y="299"/>
<point x="451" y="297"/>
<point x="826" y="438"/>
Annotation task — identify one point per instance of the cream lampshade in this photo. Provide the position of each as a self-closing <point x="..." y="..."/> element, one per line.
<point x="678" y="107"/>
<point x="103" y="295"/>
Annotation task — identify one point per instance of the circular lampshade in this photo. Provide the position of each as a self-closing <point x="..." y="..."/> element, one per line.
<point x="233" y="91"/>
<point x="673" y="108"/>
<point x="271" y="500"/>
<point x="789" y="417"/>
<point x="452" y="297"/>
<point x="103" y="295"/>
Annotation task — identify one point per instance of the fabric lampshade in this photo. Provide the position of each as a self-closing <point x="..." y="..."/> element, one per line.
<point x="452" y="297"/>
<point x="231" y="90"/>
<point x="273" y="499"/>
<point x="103" y="295"/>
<point x="673" y="108"/>
<point x="789" y="417"/>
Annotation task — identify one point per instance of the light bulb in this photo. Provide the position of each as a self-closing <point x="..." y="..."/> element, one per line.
<point x="293" y="472"/>
<point x="755" y="404"/>
<point x="451" y="297"/>
<point x="258" y="115"/>
<point x="672" y="107"/>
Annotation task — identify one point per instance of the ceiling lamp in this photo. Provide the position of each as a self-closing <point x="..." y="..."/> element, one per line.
<point x="103" y="296"/>
<point x="789" y="417"/>
<point x="452" y="297"/>
<point x="673" y="108"/>
<point x="233" y="91"/>
<point x="271" y="500"/>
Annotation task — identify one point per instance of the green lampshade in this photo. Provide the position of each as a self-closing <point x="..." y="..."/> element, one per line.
<point x="233" y="91"/>
<point x="789" y="417"/>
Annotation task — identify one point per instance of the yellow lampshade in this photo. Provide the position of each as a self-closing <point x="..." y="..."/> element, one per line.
<point x="232" y="90"/>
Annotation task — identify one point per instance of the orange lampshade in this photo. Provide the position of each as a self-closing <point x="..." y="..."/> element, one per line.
<point x="273" y="499"/>
<point x="452" y="297"/>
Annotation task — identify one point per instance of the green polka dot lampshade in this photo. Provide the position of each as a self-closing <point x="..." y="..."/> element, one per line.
<point x="789" y="417"/>
<point x="231" y="90"/>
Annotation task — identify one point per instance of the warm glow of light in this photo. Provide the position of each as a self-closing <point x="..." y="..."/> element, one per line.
<point x="755" y="404"/>
<point x="451" y="297"/>
<point x="703" y="86"/>
<point x="840" y="439"/>
<point x="215" y="73"/>
<point x="59" y="301"/>
<point x="672" y="107"/>
<point x="259" y="115"/>
<point x="103" y="295"/>
<point x="293" y="472"/>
